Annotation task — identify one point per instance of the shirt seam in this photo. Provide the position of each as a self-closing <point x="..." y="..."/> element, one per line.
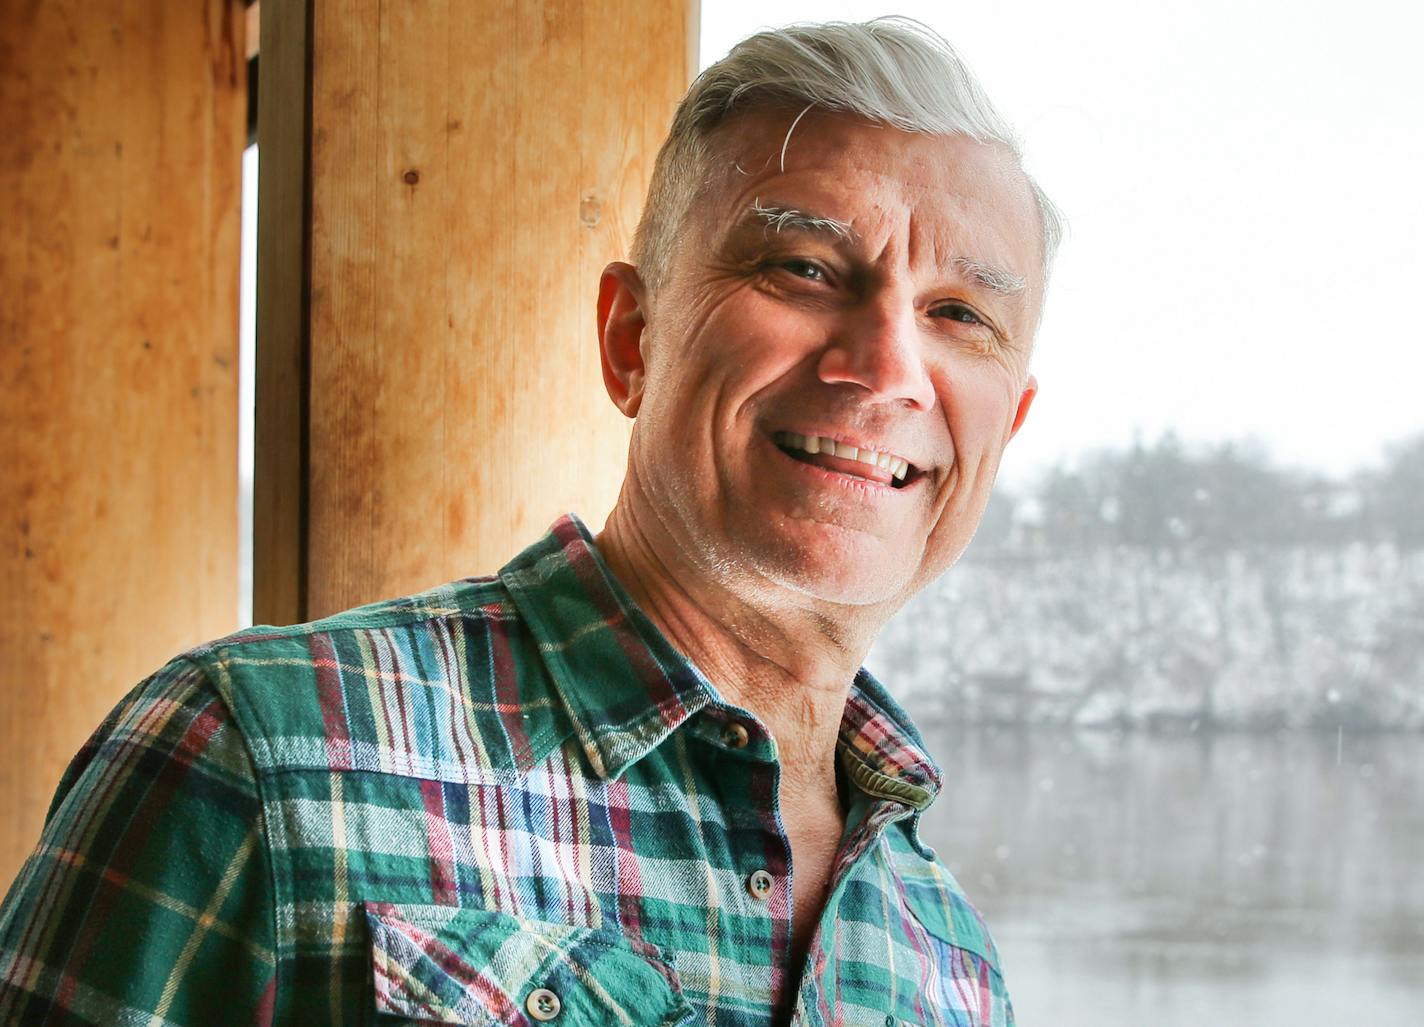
<point x="258" y="784"/>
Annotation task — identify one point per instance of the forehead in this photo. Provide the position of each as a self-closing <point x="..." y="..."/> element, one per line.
<point x="938" y="193"/>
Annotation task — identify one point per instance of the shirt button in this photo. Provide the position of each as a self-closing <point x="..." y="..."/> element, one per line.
<point x="543" y="1004"/>
<point x="734" y="736"/>
<point x="759" y="885"/>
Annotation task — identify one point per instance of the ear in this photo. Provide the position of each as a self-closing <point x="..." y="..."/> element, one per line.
<point x="1025" y="401"/>
<point x="620" y="335"/>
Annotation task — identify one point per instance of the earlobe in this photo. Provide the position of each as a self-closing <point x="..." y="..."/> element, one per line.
<point x="1025" y="401"/>
<point x="620" y="335"/>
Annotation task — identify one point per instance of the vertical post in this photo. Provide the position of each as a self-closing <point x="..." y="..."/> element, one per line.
<point x="121" y="136"/>
<point x="279" y="490"/>
<point x="466" y="171"/>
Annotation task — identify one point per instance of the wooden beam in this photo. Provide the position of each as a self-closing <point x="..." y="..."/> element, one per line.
<point x="121" y="132"/>
<point x="254" y="28"/>
<point x="283" y="284"/>
<point x="469" y="170"/>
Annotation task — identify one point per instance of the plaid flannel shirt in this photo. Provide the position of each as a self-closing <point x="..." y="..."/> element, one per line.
<point x="506" y="800"/>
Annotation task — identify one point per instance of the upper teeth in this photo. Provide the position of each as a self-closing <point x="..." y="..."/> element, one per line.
<point x="897" y="467"/>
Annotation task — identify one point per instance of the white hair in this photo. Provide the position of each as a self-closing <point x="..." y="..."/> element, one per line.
<point x="891" y="71"/>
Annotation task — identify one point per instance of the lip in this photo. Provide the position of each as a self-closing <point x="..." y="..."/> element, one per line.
<point x="852" y="483"/>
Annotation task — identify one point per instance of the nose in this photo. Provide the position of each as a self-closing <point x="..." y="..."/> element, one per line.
<point x="880" y="349"/>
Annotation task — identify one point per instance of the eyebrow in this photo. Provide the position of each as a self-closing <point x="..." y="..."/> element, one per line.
<point x="779" y="218"/>
<point x="995" y="279"/>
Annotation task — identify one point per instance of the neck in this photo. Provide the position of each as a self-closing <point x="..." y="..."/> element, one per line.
<point x="789" y="662"/>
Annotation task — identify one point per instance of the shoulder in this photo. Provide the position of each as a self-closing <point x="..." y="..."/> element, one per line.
<point x="935" y="898"/>
<point x="174" y="716"/>
<point x="440" y="684"/>
<point x="155" y="839"/>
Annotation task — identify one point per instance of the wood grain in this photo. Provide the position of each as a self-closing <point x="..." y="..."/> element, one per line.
<point x="121" y="133"/>
<point x="473" y="167"/>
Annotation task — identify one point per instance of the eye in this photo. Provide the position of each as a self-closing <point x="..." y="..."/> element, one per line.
<point x="957" y="312"/>
<point x="806" y="269"/>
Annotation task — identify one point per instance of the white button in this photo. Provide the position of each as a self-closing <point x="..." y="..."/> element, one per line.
<point x="759" y="884"/>
<point x="543" y="1004"/>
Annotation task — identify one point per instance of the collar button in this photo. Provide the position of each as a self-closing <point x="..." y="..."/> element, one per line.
<point x="734" y="736"/>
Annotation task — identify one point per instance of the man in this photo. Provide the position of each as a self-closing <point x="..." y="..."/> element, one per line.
<point x="640" y="778"/>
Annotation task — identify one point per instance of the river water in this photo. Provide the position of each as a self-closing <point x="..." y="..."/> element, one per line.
<point x="1141" y="880"/>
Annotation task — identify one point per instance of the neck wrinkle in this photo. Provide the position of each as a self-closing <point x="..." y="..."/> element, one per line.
<point x="789" y="671"/>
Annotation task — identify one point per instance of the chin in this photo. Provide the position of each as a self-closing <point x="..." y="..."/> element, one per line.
<point x="845" y="578"/>
<point x="860" y="594"/>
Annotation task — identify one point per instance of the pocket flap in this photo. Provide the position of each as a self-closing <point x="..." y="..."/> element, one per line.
<point x="473" y="966"/>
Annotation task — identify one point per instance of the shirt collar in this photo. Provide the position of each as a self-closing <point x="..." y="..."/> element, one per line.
<point x="881" y="749"/>
<point x="626" y="688"/>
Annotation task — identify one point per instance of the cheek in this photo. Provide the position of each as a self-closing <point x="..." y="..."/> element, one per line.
<point x="979" y="401"/>
<point x="752" y="343"/>
<point x="708" y="365"/>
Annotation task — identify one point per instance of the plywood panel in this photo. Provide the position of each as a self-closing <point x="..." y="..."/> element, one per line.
<point x="473" y="167"/>
<point x="121" y="133"/>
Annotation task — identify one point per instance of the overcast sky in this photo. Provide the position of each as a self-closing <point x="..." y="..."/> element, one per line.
<point x="1241" y="181"/>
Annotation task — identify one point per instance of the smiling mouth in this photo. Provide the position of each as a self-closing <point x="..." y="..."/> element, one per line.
<point x="853" y="462"/>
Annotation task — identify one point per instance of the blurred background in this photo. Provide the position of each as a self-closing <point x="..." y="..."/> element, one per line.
<point x="1176" y="683"/>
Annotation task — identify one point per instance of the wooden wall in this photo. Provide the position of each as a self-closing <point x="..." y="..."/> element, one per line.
<point x="441" y="184"/>
<point x="430" y="242"/>
<point x="121" y="135"/>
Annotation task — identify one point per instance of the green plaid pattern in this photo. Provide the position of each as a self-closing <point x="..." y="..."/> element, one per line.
<point x="499" y="800"/>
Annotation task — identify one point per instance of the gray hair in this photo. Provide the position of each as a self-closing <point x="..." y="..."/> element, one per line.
<point x="891" y="71"/>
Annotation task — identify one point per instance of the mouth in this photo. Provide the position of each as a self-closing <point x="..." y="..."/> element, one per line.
<point x="870" y="466"/>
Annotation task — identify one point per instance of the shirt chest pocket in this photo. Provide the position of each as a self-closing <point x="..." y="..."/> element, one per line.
<point x="441" y="964"/>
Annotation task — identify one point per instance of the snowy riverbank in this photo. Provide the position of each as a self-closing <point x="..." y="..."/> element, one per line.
<point x="1126" y="636"/>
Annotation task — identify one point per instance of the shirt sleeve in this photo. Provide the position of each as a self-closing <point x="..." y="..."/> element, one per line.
<point x="149" y="896"/>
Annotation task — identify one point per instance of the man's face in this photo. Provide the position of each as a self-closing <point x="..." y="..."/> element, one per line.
<point x="879" y="290"/>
